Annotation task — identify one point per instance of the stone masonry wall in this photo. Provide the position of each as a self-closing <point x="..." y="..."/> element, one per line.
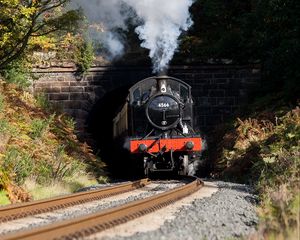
<point x="218" y="90"/>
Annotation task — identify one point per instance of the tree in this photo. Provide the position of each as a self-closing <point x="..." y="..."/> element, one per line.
<point x="250" y="31"/>
<point x="20" y="20"/>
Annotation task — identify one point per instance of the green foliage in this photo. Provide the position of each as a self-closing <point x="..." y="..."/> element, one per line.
<point x="67" y="186"/>
<point x="39" y="126"/>
<point x="7" y="128"/>
<point x="4" y="177"/>
<point x="84" y="55"/>
<point x="1" y="102"/>
<point x="43" y="102"/>
<point x="3" y="198"/>
<point x="39" y="149"/>
<point x="43" y="172"/>
<point x="17" y="73"/>
<point x="259" y="31"/>
<point x="61" y="168"/>
<point x="279" y="189"/>
<point x="23" y="20"/>
<point x="265" y="150"/>
<point x="4" y="126"/>
<point x="70" y="123"/>
<point x="20" y="164"/>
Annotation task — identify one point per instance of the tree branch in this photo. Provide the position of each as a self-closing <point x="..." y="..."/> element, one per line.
<point x="36" y="27"/>
<point x="23" y="42"/>
<point x="47" y="32"/>
<point x="42" y="10"/>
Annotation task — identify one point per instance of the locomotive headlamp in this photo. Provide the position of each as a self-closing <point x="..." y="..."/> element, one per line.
<point x="143" y="147"/>
<point x="189" y="145"/>
<point x="162" y="84"/>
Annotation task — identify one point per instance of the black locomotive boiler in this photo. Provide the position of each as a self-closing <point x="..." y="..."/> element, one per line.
<point x="156" y="125"/>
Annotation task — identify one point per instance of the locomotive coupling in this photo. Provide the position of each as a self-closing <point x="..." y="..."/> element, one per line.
<point x="143" y="147"/>
<point x="189" y="145"/>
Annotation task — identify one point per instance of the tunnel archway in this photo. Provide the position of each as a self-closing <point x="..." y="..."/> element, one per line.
<point x="100" y="128"/>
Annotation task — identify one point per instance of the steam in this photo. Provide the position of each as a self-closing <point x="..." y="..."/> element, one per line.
<point x="160" y="23"/>
<point x="104" y="16"/>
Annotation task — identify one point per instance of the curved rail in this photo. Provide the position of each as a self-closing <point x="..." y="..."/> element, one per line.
<point x="84" y="226"/>
<point x="28" y="209"/>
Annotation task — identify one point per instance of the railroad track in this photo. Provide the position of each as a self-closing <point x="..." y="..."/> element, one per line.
<point x="32" y="208"/>
<point x="93" y="223"/>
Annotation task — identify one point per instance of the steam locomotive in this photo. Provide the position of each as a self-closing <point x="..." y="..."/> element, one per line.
<point x="156" y="126"/>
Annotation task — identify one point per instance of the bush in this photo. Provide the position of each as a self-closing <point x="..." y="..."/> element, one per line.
<point x="60" y="168"/>
<point x="84" y="55"/>
<point x="265" y="151"/>
<point x="4" y="178"/>
<point x="19" y="164"/>
<point x="39" y="126"/>
<point x="7" y="128"/>
<point x="63" y="166"/>
<point x="43" y="172"/>
<point x="42" y="101"/>
<point x="38" y="147"/>
<point x="263" y="31"/>
<point x="17" y="73"/>
<point x="4" y="126"/>
<point x="3" y="198"/>
<point x="1" y="102"/>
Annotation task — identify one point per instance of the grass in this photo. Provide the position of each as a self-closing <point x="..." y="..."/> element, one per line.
<point x="4" y="126"/>
<point x="40" y="155"/>
<point x="3" y="198"/>
<point x="21" y="164"/>
<point x="1" y="102"/>
<point x="42" y="101"/>
<point x="57" y="188"/>
<point x="38" y="127"/>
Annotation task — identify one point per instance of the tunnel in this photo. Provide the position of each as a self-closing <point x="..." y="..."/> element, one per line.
<point x="94" y="98"/>
<point x="100" y="128"/>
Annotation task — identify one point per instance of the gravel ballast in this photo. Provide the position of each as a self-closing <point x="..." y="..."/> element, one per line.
<point x="226" y="211"/>
<point x="229" y="213"/>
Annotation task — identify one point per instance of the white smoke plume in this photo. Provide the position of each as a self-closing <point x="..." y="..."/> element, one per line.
<point x="104" y="16"/>
<point x="160" y="23"/>
<point x="163" y="22"/>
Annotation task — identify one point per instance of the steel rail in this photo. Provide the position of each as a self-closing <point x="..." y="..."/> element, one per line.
<point x="32" y="208"/>
<point x="84" y="226"/>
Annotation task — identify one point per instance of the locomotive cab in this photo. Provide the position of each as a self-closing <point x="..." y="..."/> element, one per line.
<point x="156" y="124"/>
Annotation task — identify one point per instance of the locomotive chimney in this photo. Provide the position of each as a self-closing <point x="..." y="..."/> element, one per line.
<point x="161" y="81"/>
<point x="162" y="73"/>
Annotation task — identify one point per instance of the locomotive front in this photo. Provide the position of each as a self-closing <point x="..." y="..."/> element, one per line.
<point x="157" y="121"/>
<point x="163" y="109"/>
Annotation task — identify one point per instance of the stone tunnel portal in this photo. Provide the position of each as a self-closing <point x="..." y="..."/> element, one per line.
<point x="93" y="98"/>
